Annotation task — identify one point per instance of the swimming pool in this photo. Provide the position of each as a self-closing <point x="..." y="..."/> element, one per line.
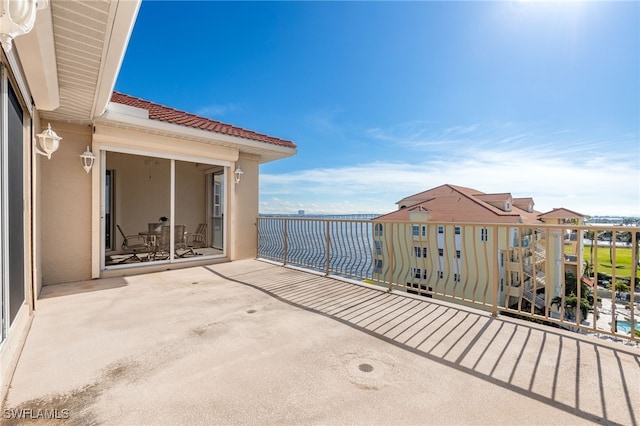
<point x="625" y="326"/>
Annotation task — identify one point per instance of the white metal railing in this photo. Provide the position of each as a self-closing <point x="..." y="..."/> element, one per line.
<point x="495" y="267"/>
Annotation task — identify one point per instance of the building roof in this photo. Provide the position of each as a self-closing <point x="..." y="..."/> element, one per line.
<point x="171" y="115"/>
<point x="561" y="213"/>
<point x="451" y="203"/>
<point x="523" y="202"/>
<point x="494" y="198"/>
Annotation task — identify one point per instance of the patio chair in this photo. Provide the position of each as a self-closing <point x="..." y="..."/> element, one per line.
<point x="198" y="238"/>
<point x="133" y="245"/>
<point x="193" y="240"/>
<point x="165" y="240"/>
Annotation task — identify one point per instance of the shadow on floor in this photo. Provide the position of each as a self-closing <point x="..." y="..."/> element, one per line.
<point x="575" y="373"/>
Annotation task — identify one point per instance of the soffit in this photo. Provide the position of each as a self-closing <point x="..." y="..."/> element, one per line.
<point x="80" y="29"/>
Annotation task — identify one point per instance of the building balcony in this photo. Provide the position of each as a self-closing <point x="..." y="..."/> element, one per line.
<point x="254" y="342"/>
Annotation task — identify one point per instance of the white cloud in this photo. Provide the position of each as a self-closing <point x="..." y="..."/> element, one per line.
<point x="590" y="174"/>
<point x="597" y="188"/>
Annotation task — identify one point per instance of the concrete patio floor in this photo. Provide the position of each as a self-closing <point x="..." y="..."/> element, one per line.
<point x="250" y="342"/>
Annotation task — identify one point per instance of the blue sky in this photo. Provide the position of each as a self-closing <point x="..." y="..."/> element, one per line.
<point x="386" y="99"/>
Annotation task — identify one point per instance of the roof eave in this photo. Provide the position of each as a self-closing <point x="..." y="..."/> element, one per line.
<point x="38" y="58"/>
<point x="123" y="17"/>
<point x="267" y="152"/>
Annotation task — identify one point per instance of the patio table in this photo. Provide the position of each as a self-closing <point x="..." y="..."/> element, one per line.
<point x="153" y="240"/>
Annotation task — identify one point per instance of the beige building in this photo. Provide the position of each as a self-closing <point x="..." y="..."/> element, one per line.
<point x="156" y="188"/>
<point x="460" y="243"/>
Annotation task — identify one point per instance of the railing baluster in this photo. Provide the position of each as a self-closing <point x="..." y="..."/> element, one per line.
<point x="496" y="269"/>
<point x="533" y="274"/>
<point x="327" y="247"/>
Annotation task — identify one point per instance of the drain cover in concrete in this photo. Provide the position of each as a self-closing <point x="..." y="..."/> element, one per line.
<point x="367" y="368"/>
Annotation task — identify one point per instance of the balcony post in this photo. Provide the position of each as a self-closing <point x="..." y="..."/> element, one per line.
<point x="496" y="269"/>
<point x="614" y="298"/>
<point x="284" y="242"/>
<point x="389" y="245"/>
<point x="634" y="274"/>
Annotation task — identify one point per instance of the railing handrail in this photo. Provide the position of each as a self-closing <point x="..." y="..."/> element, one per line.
<point x="460" y="265"/>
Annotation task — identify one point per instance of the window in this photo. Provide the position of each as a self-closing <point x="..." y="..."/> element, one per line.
<point x="12" y="216"/>
<point x="419" y="273"/>
<point x="440" y="229"/>
<point x="458" y="254"/>
<point x="440" y="275"/>
<point x="419" y="251"/>
<point x="378" y="266"/>
<point x="457" y="230"/>
<point x="416" y="230"/>
<point x="424" y="230"/>
<point x="440" y="252"/>
<point x="378" y="247"/>
<point x="377" y="230"/>
<point x="456" y="277"/>
<point x="484" y="234"/>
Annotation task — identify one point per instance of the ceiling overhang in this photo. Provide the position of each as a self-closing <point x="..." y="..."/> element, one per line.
<point x="38" y="58"/>
<point x="89" y="41"/>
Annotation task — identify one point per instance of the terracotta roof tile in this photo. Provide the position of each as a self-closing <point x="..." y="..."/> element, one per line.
<point x="561" y="213"/>
<point x="174" y="116"/>
<point x="494" y="198"/>
<point x="450" y="203"/>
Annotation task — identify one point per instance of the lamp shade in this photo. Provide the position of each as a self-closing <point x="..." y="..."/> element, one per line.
<point x="47" y="142"/>
<point x="87" y="159"/>
<point x="17" y="18"/>
<point x="238" y="174"/>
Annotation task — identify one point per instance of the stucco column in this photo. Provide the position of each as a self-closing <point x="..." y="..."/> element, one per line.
<point x="244" y="209"/>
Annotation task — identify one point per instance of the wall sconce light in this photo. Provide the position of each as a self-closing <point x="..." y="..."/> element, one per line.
<point x="47" y="142"/>
<point x="238" y="174"/>
<point x="87" y="158"/>
<point x="17" y="18"/>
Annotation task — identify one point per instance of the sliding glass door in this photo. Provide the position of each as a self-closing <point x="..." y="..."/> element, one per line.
<point x="160" y="210"/>
<point x="217" y="210"/>
<point x="13" y="240"/>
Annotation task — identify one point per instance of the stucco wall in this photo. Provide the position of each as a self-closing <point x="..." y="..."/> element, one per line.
<point x="66" y="208"/>
<point x="37" y="214"/>
<point x="245" y="212"/>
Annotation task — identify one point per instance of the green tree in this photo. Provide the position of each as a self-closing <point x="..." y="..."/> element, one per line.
<point x="571" y="299"/>
<point x="591" y="235"/>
